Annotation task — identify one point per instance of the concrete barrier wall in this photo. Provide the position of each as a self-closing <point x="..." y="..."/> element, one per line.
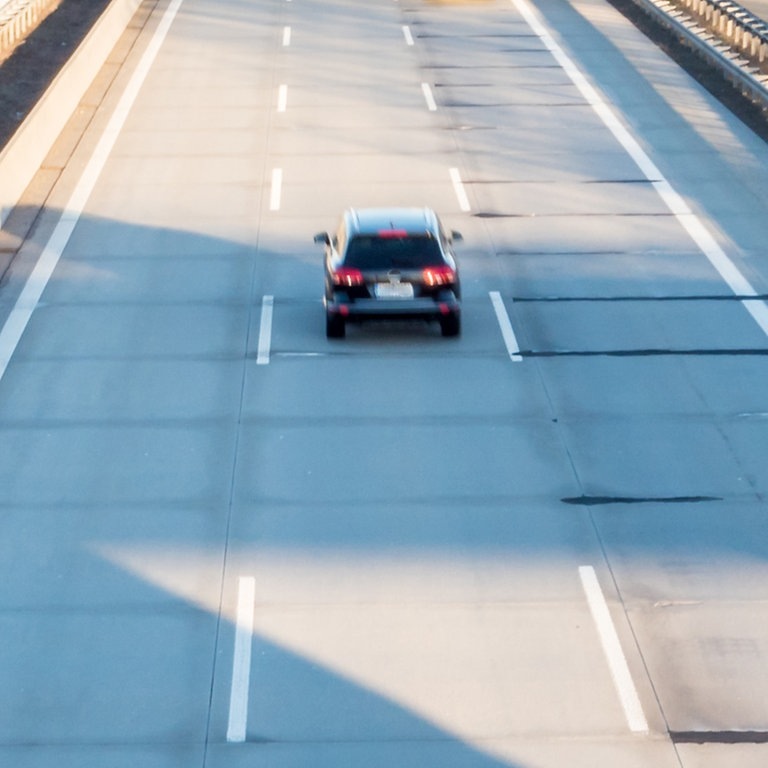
<point x="25" y="152"/>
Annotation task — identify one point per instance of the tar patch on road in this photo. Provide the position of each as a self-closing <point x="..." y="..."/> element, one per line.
<point x="719" y="737"/>
<point x="592" y="501"/>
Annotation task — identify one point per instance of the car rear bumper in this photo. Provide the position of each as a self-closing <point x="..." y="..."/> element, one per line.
<point x="403" y="309"/>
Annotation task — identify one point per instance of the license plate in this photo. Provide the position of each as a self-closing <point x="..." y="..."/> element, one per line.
<point x="394" y="290"/>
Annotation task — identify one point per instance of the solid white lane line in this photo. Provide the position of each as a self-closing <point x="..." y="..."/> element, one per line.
<point x="277" y="188"/>
<point x="677" y="206"/>
<point x="407" y="34"/>
<point x="430" y="99"/>
<point x="19" y="317"/>
<point x="507" y="332"/>
<point x="707" y="244"/>
<point x="617" y="663"/>
<point x="286" y="36"/>
<point x="241" y="660"/>
<point x="282" y="98"/>
<point x="458" y="187"/>
<point x="265" y="331"/>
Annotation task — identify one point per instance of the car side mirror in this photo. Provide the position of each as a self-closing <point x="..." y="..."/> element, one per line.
<point x="456" y="237"/>
<point x="323" y="238"/>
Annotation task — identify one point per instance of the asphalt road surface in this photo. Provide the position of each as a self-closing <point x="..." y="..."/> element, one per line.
<point x="228" y="541"/>
<point x="758" y="7"/>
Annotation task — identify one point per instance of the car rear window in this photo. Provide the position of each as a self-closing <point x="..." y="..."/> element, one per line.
<point x="407" y="252"/>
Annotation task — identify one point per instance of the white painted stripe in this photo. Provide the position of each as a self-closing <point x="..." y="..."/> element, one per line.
<point x="617" y="663"/>
<point x="430" y="99"/>
<point x="286" y="36"/>
<point x="458" y="187"/>
<point x="507" y="332"/>
<point x="282" y="98"/>
<point x="241" y="660"/>
<point x="19" y="317"/>
<point x="706" y="243"/>
<point x="407" y="34"/>
<point x="277" y="187"/>
<point x="265" y="331"/>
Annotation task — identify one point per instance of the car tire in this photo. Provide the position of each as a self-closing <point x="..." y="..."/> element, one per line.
<point x="450" y="325"/>
<point x="335" y="327"/>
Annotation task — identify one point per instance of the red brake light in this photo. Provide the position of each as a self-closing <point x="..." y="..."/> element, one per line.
<point x="392" y="233"/>
<point x="348" y="276"/>
<point x="443" y="275"/>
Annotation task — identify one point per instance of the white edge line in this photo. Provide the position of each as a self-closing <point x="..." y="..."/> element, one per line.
<point x="428" y="97"/>
<point x="265" y="331"/>
<point x="241" y="661"/>
<point x="407" y="35"/>
<point x="609" y="639"/>
<point x="458" y="187"/>
<point x="25" y="305"/>
<point x="277" y="187"/>
<point x="706" y="243"/>
<point x="507" y="332"/>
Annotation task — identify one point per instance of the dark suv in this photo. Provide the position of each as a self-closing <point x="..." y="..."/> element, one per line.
<point x="386" y="263"/>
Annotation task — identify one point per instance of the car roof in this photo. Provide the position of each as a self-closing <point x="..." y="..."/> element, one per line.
<point x="369" y="221"/>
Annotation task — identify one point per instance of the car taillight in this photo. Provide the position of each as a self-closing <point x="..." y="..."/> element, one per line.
<point x="348" y="277"/>
<point x="443" y="275"/>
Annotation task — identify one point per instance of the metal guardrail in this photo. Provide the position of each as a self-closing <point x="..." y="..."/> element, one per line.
<point x="728" y="36"/>
<point x="736" y="26"/>
<point x="18" y="18"/>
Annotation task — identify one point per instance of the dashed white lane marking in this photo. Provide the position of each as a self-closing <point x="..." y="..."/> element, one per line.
<point x="617" y="663"/>
<point x="276" y="190"/>
<point x="241" y="661"/>
<point x="282" y="98"/>
<point x="19" y="317"/>
<point x="677" y="206"/>
<point x="458" y="187"/>
<point x="505" y="324"/>
<point x="265" y="331"/>
<point x="407" y="35"/>
<point x="428" y="97"/>
<point x="286" y="36"/>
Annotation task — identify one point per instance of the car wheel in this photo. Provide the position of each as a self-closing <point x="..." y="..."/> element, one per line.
<point x="335" y="328"/>
<point x="450" y="325"/>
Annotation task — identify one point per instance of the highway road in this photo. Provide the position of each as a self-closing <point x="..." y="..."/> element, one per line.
<point x="758" y="7"/>
<point x="228" y="541"/>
